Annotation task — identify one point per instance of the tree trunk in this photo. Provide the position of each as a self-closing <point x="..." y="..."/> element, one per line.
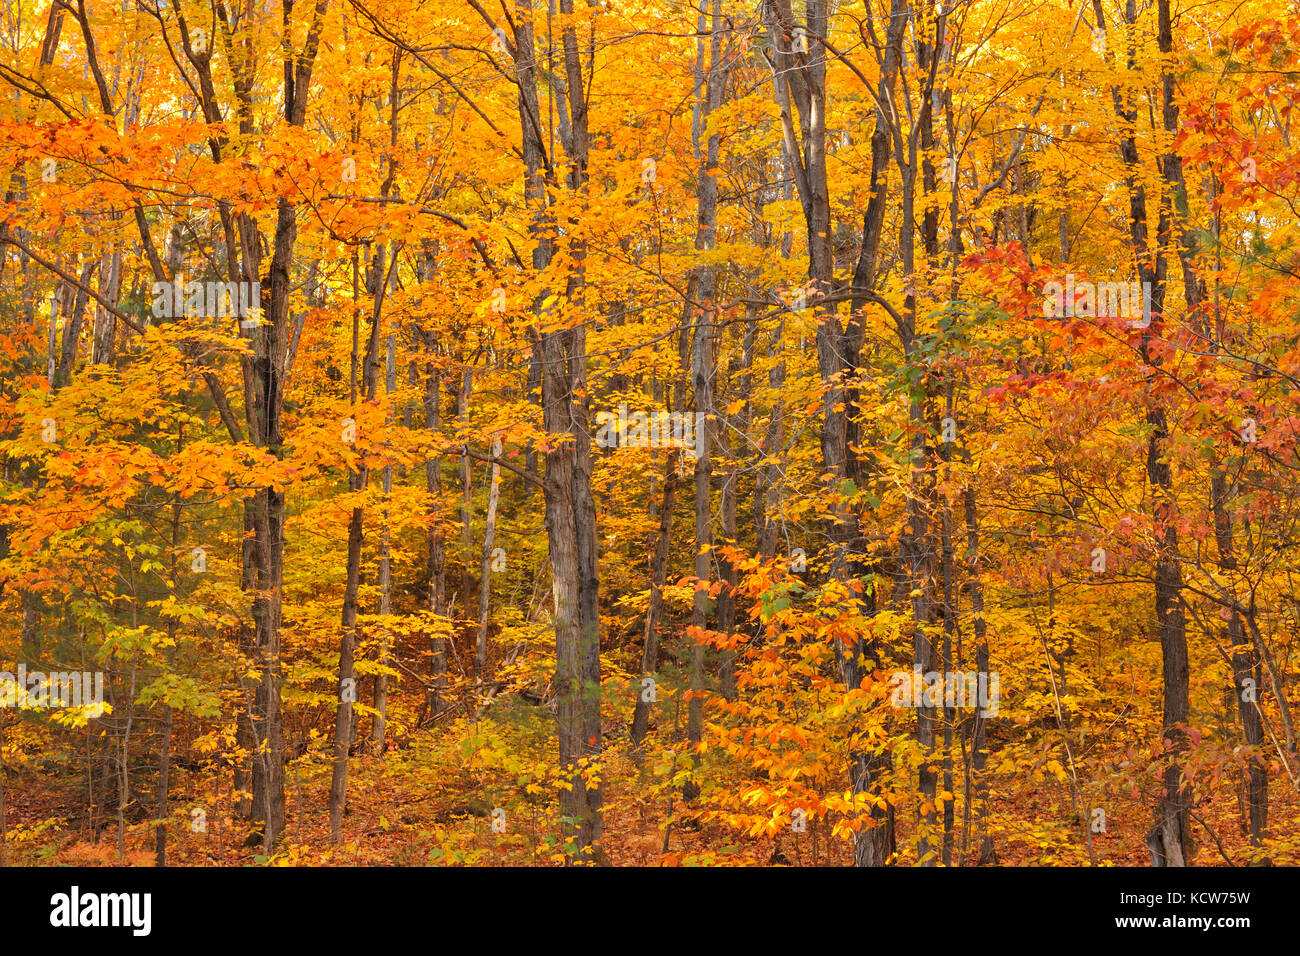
<point x="437" y="581"/>
<point x="72" y="328"/>
<point x="645" y="696"/>
<point x="977" y="790"/>
<point x="380" y="719"/>
<point x="485" y="566"/>
<point x="345" y="716"/>
<point x="466" y="490"/>
<point x="570" y="511"/>
<point x="702" y="373"/>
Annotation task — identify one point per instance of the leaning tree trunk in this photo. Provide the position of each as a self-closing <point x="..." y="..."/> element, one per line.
<point x="344" y="719"/>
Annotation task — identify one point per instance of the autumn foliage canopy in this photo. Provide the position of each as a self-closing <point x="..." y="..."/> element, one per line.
<point x="641" y="432"/>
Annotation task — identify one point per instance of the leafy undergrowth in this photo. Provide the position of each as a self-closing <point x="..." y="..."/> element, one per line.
<point x="433" y="801"/>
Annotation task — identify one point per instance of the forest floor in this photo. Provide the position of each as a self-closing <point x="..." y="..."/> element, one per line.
<point x="411" y="808"/>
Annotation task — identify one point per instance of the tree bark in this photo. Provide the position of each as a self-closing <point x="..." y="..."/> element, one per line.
<point x="436" y="587"/>
<point x="485" y="565"/>
<point x="570" y="511"/>
<point x="380" y="720"/>
<point x="658" y="575"/>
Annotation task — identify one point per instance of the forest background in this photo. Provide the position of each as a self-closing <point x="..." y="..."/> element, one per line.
<point x="637" y="432"/>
